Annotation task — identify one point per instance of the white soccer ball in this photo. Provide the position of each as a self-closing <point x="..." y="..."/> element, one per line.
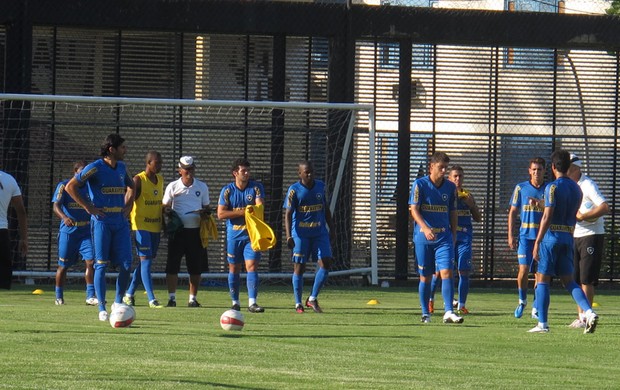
<point x="122" y="316"/>
<point x="232" y="320"/>
<point x="585" y="207"/>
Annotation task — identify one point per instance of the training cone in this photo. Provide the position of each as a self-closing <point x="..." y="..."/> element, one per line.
<point x="38" y="291"/>
<point x="373" y="302"/>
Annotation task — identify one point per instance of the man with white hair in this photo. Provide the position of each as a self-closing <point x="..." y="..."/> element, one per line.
<point x="589" y="235"/>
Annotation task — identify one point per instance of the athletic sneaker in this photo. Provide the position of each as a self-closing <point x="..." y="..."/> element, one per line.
<point x="314" y="305"/>
<point x="103" y="315"/>
<point x="59" y="301"/>
<point x="92" y="301"/>
<point x="154" y="304"/>
<point x="455" y="303"/>
<point x="235" y="306"/>
<point x="539" y="329"/>
<point x="171" y="303"/>
<point x="577" y="324"/>
<point x="299" y="308"/>
<point x="462" y="311"/>
<point x="254" y="308"/>
<point x="193" y="303"/>
<point x="129" y="301"/>
<point x="451" y="318"/>
<point x="431" y="307"/>
<point x="425" y="319"/>
<point x="534" y="313"/>
<point x="519" y="310"/>
<point x="591" y="323"/>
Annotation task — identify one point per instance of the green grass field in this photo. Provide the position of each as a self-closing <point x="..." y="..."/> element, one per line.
<point x="352" y="345"/>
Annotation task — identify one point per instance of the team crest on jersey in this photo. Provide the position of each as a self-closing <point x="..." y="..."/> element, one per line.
<point x="319" y="196"/>
<point x="444" y="197"/>
<point x="197" y="193"/>
<point x="155" y="192"/>
<point x="249" y="197"/>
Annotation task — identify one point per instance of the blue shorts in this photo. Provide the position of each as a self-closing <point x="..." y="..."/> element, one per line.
<point x="72" y="245"/>
<point x="463" y="254"/>
<point x="314" y="248"/>
<point x="525" y="252"/>
<point x="432" y="256"/>
<point x="112" y="242"/>
<point x="555" y="259"/>
<point x="239" y="251"/>
<point x="147" y="243"/>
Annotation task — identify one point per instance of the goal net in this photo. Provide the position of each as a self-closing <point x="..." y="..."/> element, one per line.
<point x="43" y="135"/>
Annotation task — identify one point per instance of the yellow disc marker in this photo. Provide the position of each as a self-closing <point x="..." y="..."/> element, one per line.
<point x="373" y="302"/>
<point x="38" y="291"/>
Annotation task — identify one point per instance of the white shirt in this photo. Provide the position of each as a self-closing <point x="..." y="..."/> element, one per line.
<point x="8" y="190"/>
<point x="186" y="201"/>
<point x="592" y="197"/>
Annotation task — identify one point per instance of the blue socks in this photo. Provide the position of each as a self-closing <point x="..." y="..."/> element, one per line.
<point x="447" y="293"/>
<point x="234" y="280"/>
<point x="542" y="301"/>
<point x="424" y="290"/>
<point x="298" y="287"/>
<point x="58" y="291"/>
<point x="578" y="295"/>
<point x="136" y="278"/>
<point x="100" y="283"/>
<point x="434" y="283"/>
<point x="463" y="289"/>
<point x="90" y="291"/>
<point x="121" y="283"/>
<point x="523" y="295"/>
<point x="147" y="281"/>
<point x="252" y="283"/>
<point x="319" y="280"/>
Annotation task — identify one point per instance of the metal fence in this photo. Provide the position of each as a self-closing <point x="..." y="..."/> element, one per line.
<point x="476" y="84"/>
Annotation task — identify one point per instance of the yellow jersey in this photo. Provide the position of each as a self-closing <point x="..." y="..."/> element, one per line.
<point x="147" y="209"/>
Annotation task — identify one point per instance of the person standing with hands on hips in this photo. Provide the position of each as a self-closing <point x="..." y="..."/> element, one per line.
<point x="108" y="181"/>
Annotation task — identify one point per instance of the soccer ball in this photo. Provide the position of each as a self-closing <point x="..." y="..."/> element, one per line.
<point x="122" y="316"/>
<point x="585" y="208"/>
<point x="232" y="320"/>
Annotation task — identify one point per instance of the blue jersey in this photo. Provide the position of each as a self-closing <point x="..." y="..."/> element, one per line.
<point x="436" y="204"/>
<point x="564" y="195"/>
<point x="232" y="198"/>
<point x="308" y="206"/>
<point x="106" y="186"/>
<point x="530" y="214"/>
<point x="464" y="232"/>
<point x="71" y="208"/>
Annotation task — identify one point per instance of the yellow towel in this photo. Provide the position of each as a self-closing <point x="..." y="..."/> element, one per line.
<point x="208" y="230"/>
<point x="261" y="235"/>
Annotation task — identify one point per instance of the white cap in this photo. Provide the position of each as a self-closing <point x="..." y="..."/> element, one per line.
<point x="186" y="162"/>
<point x="575" y="160"/>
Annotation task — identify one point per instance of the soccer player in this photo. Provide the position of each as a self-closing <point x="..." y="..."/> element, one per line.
<point x="589" y="235"/>
<point x="526" y="200"/>
<point x="306" y="220"/>
<point x="553" y="248"/>
<point x="146" y="222"/>
<point x="234" y="198"/>
<point x="189" y="198"/>
<point x="74" y="238"/>
<point x="433" y="208"/>
<point x="108" y="181"/>
<point x="11" y="195"/>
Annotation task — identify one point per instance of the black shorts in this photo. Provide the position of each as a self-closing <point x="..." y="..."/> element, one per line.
<point x="186" y="242"/>
<point x="6" y="260"/>
<point x="587" y="259"/>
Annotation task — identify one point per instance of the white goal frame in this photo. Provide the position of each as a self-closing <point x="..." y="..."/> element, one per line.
<point x="372" y="271"/>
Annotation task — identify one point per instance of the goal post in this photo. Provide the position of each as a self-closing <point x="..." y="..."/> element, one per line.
<point x="49" y="132"/>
